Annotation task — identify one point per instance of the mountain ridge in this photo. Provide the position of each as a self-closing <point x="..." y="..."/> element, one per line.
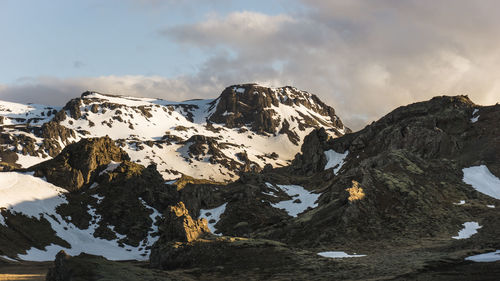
<point x="154" y="130"/>
<point x="403" y="193"/>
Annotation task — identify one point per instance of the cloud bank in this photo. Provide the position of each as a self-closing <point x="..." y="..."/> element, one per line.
<point x="363" y="57"/>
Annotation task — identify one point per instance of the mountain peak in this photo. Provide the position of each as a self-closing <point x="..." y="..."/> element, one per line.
<point x="246" y="128"/>
<point x="273" y="110"/>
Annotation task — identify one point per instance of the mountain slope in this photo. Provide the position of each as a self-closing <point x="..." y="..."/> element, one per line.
<point x="402" y="175"/>
<point x="412" y="193"/>
<point x="244" y="129"/>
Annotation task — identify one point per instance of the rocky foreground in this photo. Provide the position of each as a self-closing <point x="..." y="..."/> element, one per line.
<point x="413" y="196"/>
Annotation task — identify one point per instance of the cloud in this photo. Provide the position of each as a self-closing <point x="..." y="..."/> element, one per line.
<point x="365" y="57"/>
<point x="55" y="91"/>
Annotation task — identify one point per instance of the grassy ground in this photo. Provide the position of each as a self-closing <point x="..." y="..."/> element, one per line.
<point x="33" y="271"/>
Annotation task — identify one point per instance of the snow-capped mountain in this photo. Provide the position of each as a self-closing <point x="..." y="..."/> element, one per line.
<point x="411" y="191"/>
<point x="247" y="127"/>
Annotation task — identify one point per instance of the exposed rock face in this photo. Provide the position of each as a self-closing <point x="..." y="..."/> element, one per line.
<point x="74" y="107"/>
<point x="408" y="173"/>
<point x="79" y="163"/>
<point x="218" y="144"/>
<point x="8" y="160"/>
<point x="312" y="159"/>
<point x="127" y="195"/>
<point x="240" y="105"/>
<point x="53" y="133"/>
<point x="179" y="226"/>
<point x="211" y="149"/>
<point x="62" y="270"/>
<point x="54" y="130"/>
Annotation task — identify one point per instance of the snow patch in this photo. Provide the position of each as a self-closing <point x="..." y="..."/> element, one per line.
<point x="34" y="197"/>
<point x="213" y="216"/>
<point x="154" y="217"/>
<point x="171" y="181"/>
<point x="301" y="200"/>
<point x="470" y="228"/>
<point x="7" y="258"/>
<point x="334" y="158"/>
<point x="239" y="90"/>
<point x="110" y="168"/>
<point x="23" y="193"/>
<point x="490" y="206"/>
<point x="474" y="119"/>
<point x="460" y="203"/>
<point x="27" y="161"/>
<point x="486" y="257"/>
<point x="338" y="255"/>
<point x="482" y="180"/>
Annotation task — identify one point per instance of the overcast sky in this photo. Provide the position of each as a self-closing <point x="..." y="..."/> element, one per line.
<point x="363" y="57"/>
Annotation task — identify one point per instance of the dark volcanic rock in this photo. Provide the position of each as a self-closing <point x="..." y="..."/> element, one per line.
<point x="79" y="163"/>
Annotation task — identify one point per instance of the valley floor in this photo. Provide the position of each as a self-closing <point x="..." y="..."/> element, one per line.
<point x="33" y="271"/>
<point x="427" y="262"/>
<point x="462" y="271"/>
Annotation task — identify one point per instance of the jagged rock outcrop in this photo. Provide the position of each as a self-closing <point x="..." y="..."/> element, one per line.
<point x="409" y="168"/>
<point x="53" y="134"/>
<point x="312" y="157"/>
<point x="8" y="160"/>
<point x="73" y="106"/>
<point x="179" y="226"/>
<point x="217" y="144"/>
<point x="54" y="130"/>
<point x="78" y="164"/>
<point x="240" y="105"/>
<point x="61" y="271"/>
<point x="127" y="195"/>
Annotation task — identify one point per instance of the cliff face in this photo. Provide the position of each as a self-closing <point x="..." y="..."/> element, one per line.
<point x="260" y="108"/>
<point x="79" y="164"/>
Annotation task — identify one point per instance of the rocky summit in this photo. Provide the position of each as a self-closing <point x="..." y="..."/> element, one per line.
<point x="247" y="127"/>
<point x="257" y="184"/>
